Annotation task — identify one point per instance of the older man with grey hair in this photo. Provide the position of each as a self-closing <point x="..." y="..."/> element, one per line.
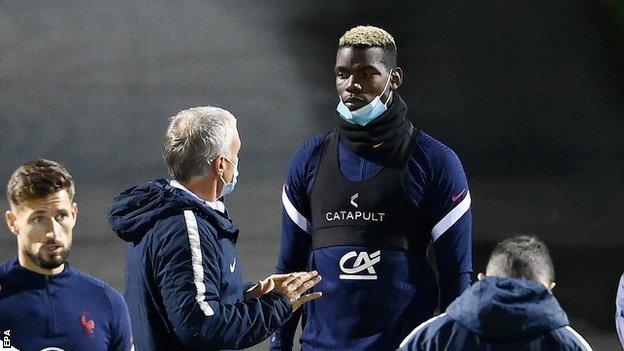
<point x="184" y="286"/>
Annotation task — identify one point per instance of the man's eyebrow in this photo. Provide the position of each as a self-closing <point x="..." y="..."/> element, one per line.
<point x="337" y="68"/>
<point x="370" y="67"/>
<point x="38" y="212"/>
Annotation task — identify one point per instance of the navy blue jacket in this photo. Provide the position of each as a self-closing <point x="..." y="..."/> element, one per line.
<point x="66" y="311"/>
<point x="357" y="315"/>
<point x="619" y="310"/>
<point x="503" y="314"/>
<point x="184" y="285"/>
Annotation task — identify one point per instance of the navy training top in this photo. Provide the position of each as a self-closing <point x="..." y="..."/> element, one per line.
<point x="357" y="315"/>
<point x="66" y="311"/>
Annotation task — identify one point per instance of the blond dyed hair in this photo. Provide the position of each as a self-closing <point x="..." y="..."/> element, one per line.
<point x="367" y="36"/>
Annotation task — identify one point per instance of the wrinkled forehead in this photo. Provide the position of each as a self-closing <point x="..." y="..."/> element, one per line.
<point x="50" y="203"/>
<point x="356" y="56"/>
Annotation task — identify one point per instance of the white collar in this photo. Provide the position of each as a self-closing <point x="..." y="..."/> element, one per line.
<point x="217" y="205"/>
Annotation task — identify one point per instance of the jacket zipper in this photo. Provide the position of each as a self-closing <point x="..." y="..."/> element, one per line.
<point x="50" y="330"/>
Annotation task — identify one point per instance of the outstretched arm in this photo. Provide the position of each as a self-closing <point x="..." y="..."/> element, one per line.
<point x="187" y="271"/>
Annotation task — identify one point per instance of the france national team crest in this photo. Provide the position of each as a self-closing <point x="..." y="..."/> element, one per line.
<point x="363" y="261"/>
<point x="87" y="324"/>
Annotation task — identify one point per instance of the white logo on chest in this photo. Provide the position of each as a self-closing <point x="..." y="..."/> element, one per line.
<point x="353" y="198"/>
<point x="233" y="266"/>
<point x="355" y="215"/>
<point x="363" y="262"/>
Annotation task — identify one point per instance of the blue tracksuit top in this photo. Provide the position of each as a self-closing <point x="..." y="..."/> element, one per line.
<point x="377" y="314"/>
<point x="619" y="310"/>
<point x="184" y="284"/>
<point x="499" y="314"/>
<point x="69" y="311"/>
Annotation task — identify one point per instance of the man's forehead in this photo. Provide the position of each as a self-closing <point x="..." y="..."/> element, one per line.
<point x="360" y="56"/>
<point x="57" y="200"/>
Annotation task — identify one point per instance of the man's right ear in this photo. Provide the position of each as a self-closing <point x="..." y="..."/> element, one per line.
<point x="10" y="221"/>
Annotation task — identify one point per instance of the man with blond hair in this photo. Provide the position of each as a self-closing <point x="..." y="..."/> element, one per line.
<point x="362" y="203"/>
<point x="510" y="308"/>
<point x="184" y="283"/>
<point x="46" y="303"/>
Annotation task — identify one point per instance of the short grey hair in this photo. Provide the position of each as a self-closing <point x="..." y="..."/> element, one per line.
<point x="522" y="257"/>
<point x="194" y="138"/>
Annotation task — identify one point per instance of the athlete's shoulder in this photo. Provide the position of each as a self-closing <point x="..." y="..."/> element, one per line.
<point x="434" y="148"/>
<point x="10" y="272"/>
<point x="310" y="147"/>
<point x="99" y="290"/>
<point x="6" y="268"/>
<point x="305" y="158"/>
<point x="4" y="277"/>
<point x="91" y="281"/>
<point x="435" y="156"/>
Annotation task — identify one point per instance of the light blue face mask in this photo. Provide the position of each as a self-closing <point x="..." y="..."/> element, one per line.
<point x="229" y="187"/>
<point x="366" y="113"/>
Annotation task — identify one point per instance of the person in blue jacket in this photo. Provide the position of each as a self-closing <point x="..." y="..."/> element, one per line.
<point x="363" y="202"/>
<point x="510" y="308"/>
<point x="184" y="284"/>
<point x="619" y="310"/>
<point x="46" y="303"/>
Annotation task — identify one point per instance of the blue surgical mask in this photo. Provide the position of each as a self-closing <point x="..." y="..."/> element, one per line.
<point x="366" y="113"/>
<point x="229" y="187"/>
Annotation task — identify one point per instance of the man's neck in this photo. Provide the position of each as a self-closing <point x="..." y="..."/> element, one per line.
<point x="205" y="188"/>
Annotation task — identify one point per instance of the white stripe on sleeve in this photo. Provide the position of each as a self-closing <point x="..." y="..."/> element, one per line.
<point x="456" y="213"/>
<point x="196" y="262"/>
<point x="418" y="328"/>
<point x="294" y="215"/>
<point x="581" y="340"/>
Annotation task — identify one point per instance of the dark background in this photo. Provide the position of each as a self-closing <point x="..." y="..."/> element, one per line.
<point x="528" y="93"/>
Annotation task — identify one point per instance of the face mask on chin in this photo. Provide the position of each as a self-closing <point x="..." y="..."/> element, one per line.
<point x="228" y="187"/>
<point x="365" y="114"/>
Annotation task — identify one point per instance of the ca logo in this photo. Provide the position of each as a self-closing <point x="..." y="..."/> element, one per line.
<point x="363" y="262"/>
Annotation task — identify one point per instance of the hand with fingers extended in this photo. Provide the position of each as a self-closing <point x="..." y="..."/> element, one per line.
<point x="261" y="288"/>
<point x="294" y="285"/>
<point x="291" y="285"/>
